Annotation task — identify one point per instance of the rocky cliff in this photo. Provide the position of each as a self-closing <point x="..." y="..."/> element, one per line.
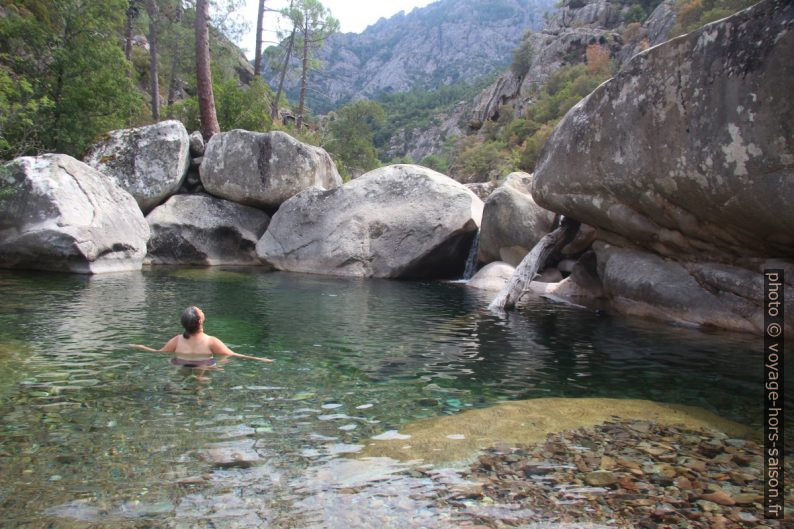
<point x="563" y="41"/>
<point x="684" y="162"/>
<point x="444" y="42"/>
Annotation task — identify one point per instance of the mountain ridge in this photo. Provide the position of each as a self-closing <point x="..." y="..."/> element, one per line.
<point x="442" y="43"/>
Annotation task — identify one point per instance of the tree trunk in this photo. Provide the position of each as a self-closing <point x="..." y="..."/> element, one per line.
<point x="154" y="73"/>
<point x="304" y="74"/>
<point x="172" y="84"/>
<point x="274" y="110"/>
<point x="534" y="261"/>
<point x="209" y="119"/>
<point x="131" y="12"/>
<point x="258" y="51"/>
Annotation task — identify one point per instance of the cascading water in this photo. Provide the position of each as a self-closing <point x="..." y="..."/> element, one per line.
<point x="471" y="260"/>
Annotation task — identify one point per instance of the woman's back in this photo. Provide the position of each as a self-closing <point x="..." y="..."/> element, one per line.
<point x="197" y="346"/>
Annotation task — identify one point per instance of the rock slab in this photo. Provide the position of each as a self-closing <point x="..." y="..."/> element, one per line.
<point x="204" y="230"/>
<point x="57" y="213"/>
<point x="400" y="221"/>
<point x="264" y="170"/>
<point x="149" y="162"/>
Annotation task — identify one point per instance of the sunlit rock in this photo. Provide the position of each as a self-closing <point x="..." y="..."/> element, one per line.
<point x="57" y="213"/>
<point x="264" y="170"/>
<point x="401" y="221"/>
<point x="149" y="162"/>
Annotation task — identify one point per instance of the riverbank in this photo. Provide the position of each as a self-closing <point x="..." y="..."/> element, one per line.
<point x="621" y="473"/>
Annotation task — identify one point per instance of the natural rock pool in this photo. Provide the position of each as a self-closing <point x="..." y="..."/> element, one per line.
<point x="94" y="434"/>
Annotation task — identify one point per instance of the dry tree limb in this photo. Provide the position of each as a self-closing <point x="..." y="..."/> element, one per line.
<point x="534" y="261"/>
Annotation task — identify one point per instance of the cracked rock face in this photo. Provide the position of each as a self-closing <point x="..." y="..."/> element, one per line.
<point x="264" y="170"/>
<point x="686" y="157"/>
<point x="57" y="213"/>
<point x="401" y="221"/>
<point x="204" y="230"/>
<point x="149" y="162"/>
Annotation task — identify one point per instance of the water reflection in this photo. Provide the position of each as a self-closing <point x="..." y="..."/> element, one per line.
<point x="91" y="430"/>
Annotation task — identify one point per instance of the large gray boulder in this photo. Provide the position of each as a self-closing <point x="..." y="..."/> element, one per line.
<point x="204" y="230"/>
<point x="57" y="213"/>
<point x="401" y="221"/>
<point x="264" y="170"/>
<point x="512" y="223"/>
<point x="704" y="294"/>
<point x="685" y="161"/>
<point x="149" y="162"/>
<point x="689" y="148"/>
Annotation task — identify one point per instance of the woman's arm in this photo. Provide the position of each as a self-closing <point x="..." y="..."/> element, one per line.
<point x="169" y="347"/>
<point x="219" y="348"/>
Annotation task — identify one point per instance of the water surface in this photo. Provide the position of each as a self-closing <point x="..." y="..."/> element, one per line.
<point x="93" y="433"/>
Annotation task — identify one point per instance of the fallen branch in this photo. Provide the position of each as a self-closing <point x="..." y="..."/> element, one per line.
<point x="534" y="261"/>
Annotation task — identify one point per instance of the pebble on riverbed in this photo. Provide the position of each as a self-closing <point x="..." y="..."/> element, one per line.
<point x="624" y="474"/>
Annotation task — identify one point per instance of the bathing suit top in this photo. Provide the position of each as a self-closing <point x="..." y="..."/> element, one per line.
<point x="203" y="362"/>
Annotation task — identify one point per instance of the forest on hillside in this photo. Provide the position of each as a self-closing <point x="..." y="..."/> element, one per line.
<point x="72" y="70"/>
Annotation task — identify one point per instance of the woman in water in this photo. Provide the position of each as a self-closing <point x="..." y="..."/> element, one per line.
<point x="193" y="348"/>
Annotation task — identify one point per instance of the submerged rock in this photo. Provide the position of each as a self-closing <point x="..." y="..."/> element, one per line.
<point x="685" y="161"/>
<point x="204" y="230"/>
<point x="401" y="221"/>
<point x="512" y="223"/>
<point x="529" y="421"/>
<point x="264" y="170"/>
<point x="149" y="162"/>
<point x="57" y="213"/>
<point x="492" y="276"/>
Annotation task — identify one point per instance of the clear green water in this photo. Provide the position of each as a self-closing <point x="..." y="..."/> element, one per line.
<point x="93" y="434"/>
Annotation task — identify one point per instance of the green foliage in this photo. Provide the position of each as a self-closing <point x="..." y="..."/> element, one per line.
<point x="352" y="130"/>
<point x="692" y="14"/>
<point x="186" y="111"/>
<point x="237" y="107"/>
<point x="562" y="91"/>
<point x="436" y="162"/>
<point x="635" y="13"/>
<point x="514" y="141"/>
<point x="530" y="151"/>
<point x="65" y="79"/>
<point x="417" y="108"/>
<point x="402" y="160"/>
<point x="522" y="57"/>
<point x="243" y="107"/>
<point x="479" y="161"/>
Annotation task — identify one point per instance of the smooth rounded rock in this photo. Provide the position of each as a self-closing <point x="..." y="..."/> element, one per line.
<point x="400" y="221"/>
<point x="264" y="170"/>
<point x="512" y="223"/>
<point x="492" y="276"/>
<point x="149" y="162"/>
<point x="57" y="213"/>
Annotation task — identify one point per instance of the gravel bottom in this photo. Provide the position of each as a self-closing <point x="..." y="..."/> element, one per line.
<point x="623" y="473"/>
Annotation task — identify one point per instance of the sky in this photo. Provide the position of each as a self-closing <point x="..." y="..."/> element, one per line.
<point x="354" y="16"/>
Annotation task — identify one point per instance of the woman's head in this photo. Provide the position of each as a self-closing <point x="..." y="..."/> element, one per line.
<point x="192" y="318"/>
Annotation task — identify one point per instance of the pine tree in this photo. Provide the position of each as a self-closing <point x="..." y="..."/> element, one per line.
<point x="318" y="25"/>
<point x="209" y="119"/>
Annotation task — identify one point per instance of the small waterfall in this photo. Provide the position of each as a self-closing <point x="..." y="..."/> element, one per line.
<point x="471" y="260"/>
